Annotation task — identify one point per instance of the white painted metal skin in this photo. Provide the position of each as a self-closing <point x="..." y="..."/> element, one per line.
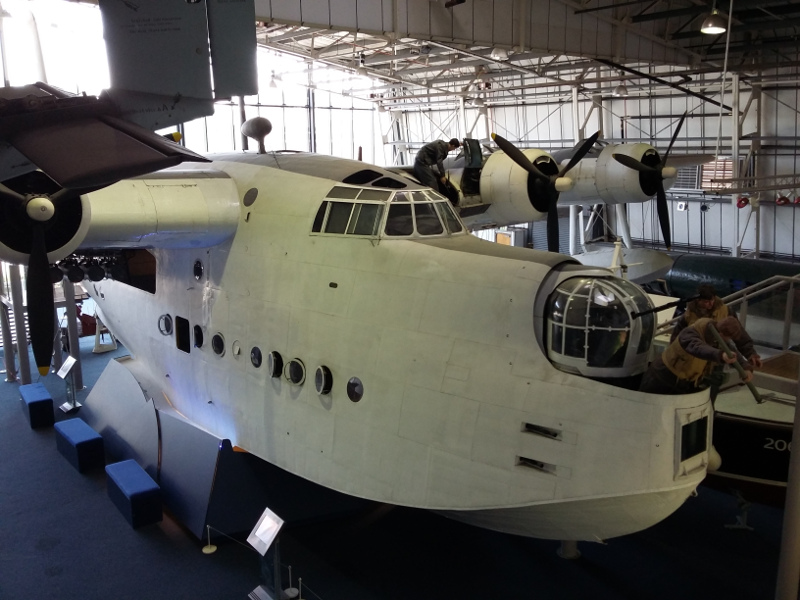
<point x="443" y="334"/>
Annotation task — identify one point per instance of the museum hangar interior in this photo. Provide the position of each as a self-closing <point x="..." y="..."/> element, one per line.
<point x="375" y="82"/>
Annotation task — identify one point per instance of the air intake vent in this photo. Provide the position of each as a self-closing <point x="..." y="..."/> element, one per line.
<point x="553" y="434"/>
<point x="524" y="461"/>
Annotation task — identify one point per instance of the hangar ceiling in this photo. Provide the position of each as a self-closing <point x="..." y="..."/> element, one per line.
<point x="507" y="51"/>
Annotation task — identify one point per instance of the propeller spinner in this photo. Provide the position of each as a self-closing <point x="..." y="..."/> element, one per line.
<point x="655" y="175"/>
<point x="543" y="189"/>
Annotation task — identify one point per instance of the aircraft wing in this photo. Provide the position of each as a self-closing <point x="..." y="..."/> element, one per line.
<point x="76" y="140"/>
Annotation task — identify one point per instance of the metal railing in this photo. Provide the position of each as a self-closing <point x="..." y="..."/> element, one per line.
<point x="740" y="301"/>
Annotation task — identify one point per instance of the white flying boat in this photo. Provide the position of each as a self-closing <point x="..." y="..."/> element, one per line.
<point x="339" y="322"/>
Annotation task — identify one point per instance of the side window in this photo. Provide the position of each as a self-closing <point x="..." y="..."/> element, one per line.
<point x="400" y="220"/>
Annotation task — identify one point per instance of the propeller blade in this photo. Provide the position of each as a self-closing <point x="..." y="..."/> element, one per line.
<point x="552" y="226"/>
<point x="634" y="164"/>
<point x="663" y="216"/>
<point x="517" y="156"/>
<point x="40" y="301"/>
<point x="8" y="193"/>
<point x="674" y="136"/>
<point x="584" y="147"/>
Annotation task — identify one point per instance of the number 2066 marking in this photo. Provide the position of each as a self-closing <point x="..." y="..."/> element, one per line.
<point x="779" y="445"/>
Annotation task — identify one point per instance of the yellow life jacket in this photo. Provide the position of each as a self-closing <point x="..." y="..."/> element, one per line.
<point x="718" y="312"/>
<point x="682" y="364"/>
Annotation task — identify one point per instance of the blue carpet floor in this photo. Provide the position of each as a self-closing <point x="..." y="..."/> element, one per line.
<point x="62" y="538"/>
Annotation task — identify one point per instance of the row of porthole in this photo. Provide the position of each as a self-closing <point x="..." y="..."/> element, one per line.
<point x="294" y="371"/>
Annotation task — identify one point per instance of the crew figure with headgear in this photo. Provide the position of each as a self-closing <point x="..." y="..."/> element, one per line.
<point x="431" y="154"/>
<point x="690" y="362"/>
<point x="708" y="305"/>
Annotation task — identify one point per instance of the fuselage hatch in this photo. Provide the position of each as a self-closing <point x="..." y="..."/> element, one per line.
<point x="340" y="322"/>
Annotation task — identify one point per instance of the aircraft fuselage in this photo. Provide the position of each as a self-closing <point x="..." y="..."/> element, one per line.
<point x="435" y="348"/>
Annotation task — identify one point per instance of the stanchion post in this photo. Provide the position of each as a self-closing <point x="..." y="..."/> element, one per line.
<point x="789" y="560"/>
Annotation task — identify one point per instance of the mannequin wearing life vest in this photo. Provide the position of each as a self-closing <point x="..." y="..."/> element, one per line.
<point x="709" y="305"/>
<point x="689" y="362"/>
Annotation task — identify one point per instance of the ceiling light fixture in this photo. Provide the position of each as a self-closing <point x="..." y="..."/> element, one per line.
<point x="362" y="60"/>
<point x="621" y="90"/>
<point x="498" y="54"/>
<point x="714" y="23"/>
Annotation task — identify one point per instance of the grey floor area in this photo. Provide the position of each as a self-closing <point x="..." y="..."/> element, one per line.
<point x="62" y="538"/>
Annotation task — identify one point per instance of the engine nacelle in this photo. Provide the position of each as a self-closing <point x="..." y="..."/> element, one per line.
<point x="169" y="209"/>
<point x="604" y="179"/>
<point x="618" y="184"/>
<point x="174" y="208"/>
<point x="504" y="187"/>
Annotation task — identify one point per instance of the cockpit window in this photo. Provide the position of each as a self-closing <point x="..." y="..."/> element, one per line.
<point x="361" y="177"/>
<point x="338" y="217"/>
<point x="448" y="217"/>
<point x="400" y="220"/>
<point x="365" y="219"/>
<point x="594" y="327"/>
<point x="427" y="220"/>
<point x="360" y="211"/>
<point x="381" y="195"/>
<point x="419" y="197"/>
<point x="343" y="192"/>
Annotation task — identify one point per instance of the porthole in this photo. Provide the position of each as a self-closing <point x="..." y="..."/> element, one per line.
<point x="198" y="336"/>
<point x="355" y="389"/>
<point x="236" y="349"/>
<point x="218" y="344"/>
<point x="250" y="197"/>
<point x="165" y="324"/>
<point x="255" y="356"/>
<point x="198" y="270"/>
<point x="323" y="380"/>
<point x="295" y="371"/>
<point x="274" y="364"/>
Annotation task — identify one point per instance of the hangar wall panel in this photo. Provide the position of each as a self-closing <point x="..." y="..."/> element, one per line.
<point x="344" y="12"/>
<point x="551" y="27"/>
<point x="316" y="12"/>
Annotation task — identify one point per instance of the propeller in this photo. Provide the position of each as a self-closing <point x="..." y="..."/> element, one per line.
<point x="544" y="189"/>
<point x="35" y="211"/>
<point x="653" y="175"/>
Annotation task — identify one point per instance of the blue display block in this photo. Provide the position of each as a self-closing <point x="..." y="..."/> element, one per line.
<point x="134" y="493"/>
<point x="81" y="445"/>
<point x="37" y="404"/>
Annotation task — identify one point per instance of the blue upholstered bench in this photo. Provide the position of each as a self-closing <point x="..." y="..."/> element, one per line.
<point x="80" y="444"/>
<point x="134" y="493"/>
<point x="37" y="404"/>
